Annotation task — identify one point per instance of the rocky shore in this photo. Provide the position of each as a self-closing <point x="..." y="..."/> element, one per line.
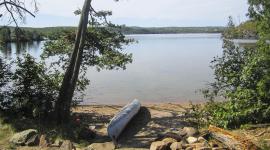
<point x="156" y="127"/>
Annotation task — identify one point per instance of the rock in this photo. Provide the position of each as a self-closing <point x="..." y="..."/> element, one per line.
<point x="101" y="146"/>
<point x="33" y="141"/>
<point x="176" y="146"/>
<point x="170" y="135"/>
<point x="43" y="141"/>
<point x="203" y="148"/>
<point x="22" y="137"/>
<point x="92" y="127"/>
<point x="158" y="145"/>
<point x="162" y="145"/>
<point x="205" y="134"/>
<point x="201" y="139"/>
<point x="189" y="148"/>
<point x="192" y="140"/>
<point x="190" y="131"/>
<point x="67" y="145"/>
<point x="169" y="141"/>
<point x="182" y="133"/>
<point x="213" y="144"/>
<point x="87" y="134"/>
<point x="198" y="145"/>
<point x="57" y="143"/>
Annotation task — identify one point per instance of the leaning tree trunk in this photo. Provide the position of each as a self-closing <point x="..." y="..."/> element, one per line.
<point x="63" y="103"/>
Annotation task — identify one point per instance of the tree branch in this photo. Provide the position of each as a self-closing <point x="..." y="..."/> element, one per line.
<point x="17" y="6"/>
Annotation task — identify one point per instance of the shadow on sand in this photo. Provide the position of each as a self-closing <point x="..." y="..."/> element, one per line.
<point x="140" y="121"/>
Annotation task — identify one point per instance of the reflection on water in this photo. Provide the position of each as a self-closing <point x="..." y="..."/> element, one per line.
<point x="12" y="50"/>
<point x="165" y="68"/>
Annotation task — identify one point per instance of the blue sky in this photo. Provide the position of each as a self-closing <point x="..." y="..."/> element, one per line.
<point x="143" y="12"/>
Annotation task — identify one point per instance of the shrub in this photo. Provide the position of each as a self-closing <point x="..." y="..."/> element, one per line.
<point x="31" y="88"/>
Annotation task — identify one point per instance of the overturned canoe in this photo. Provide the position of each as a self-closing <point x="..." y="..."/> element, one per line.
<point x="122" y="118"/>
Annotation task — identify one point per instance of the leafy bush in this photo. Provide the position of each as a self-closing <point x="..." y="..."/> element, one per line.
<point x="242" y="78"/>
<point x="32" y="88"/>
<point x="5" y="75"/>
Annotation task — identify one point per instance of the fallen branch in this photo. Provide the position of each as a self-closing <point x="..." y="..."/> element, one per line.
<point x="231" y="140"/>
<point x="260" y="133"/>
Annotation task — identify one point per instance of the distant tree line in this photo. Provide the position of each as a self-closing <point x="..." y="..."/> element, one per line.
<point x="8" y="34"/>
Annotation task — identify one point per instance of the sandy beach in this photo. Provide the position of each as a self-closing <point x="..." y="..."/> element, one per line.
<point x="151" y="121"/>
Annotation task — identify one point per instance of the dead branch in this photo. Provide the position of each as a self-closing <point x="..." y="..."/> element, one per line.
<point x="231" y="140"/>
<point x="15" y="7"/>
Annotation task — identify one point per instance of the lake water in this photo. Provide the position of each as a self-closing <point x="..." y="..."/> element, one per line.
<point x="165" y="68"/>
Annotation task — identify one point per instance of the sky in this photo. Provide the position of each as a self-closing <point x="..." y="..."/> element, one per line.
<point x="145" y="13"/>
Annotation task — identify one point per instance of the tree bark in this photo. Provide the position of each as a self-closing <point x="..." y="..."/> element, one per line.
<point x="231" y="140"/>
<point x="63" y="103"/>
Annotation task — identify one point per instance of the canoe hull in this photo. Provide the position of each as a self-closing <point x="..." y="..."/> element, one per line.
<point x="122" y="118"/>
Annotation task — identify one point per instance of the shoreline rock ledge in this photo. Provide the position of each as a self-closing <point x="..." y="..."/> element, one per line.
<point x="27" y="137"/>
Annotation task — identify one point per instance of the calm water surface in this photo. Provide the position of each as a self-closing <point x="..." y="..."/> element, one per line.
<point x="165" y="68"/>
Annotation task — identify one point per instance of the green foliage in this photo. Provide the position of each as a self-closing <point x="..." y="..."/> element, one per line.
<point x="246" y="30"/>
<point x="5" y="75"/>
<point x="170" y="30"/>
<point x="103" y="50"/>
<point x="54" y="33"/>
<point x="34" y="88"/>
<point x="242" y="77"/>
<point x="196" y="114"/>
<point x="5" y="35"/>
<point x="30" y="90"/>
<point x="20" y="35"/>
<point x="10" y="34"/>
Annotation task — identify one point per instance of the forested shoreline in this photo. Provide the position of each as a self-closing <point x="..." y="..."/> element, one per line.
<point x="8" y="34"/>
<point x="245" y="30"/>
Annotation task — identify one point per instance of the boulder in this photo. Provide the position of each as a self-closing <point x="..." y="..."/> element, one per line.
<point x="67" y="145"/>
<point x="87" y="134"/>
<point x="158" y="145"/>
<point x="189" y="148"/>
<point x="203" y="148"/>
<point x="219" y="148"/>
<point x="57" y="143"/>
<point x="182" y="133"/>
<point x="212" y="144"/>
<point x="101" y="146"/>
<point x="33" y="141"/>
<point x="176" y="146"/>
<point x="43" y="141"/>
<point x="198" y="145"/>
<point x="22" y="137"/>
<point x="201" y="139"/>
<point x="190" y="131"/>
<point x="170" y="135"/>
<point x="192" y="140"/>
<point x="169" y="141"/>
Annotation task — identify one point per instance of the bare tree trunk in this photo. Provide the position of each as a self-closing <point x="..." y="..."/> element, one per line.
<point x="63" y="104"/>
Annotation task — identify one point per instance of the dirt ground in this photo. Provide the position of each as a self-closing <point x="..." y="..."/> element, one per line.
<point x="152" y="120"/>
